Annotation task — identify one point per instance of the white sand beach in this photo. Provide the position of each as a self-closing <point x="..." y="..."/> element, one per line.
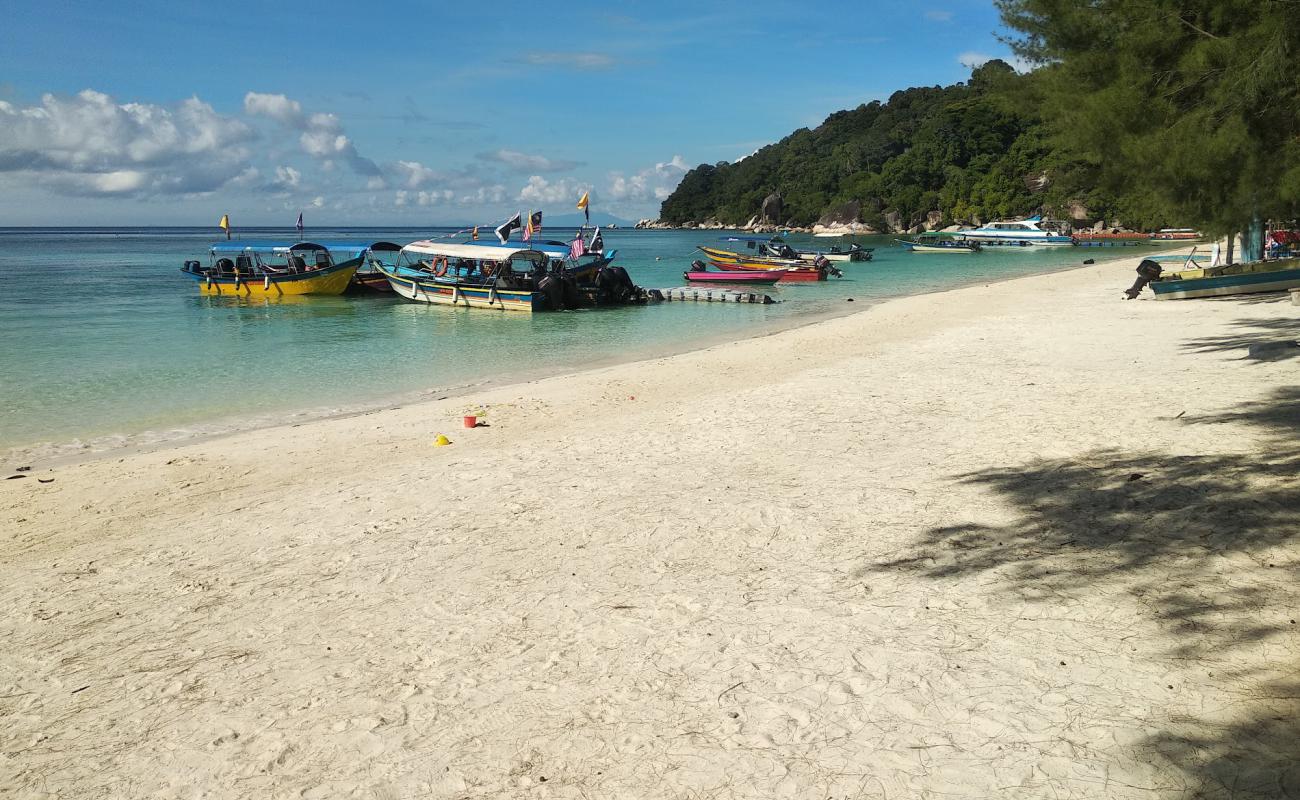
<point x="1021" y="540"/>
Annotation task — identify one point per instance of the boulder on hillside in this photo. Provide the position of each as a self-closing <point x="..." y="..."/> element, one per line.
<point x="1079" y="212"/>
<point x="1037" y="183"/>
<point x="773" y="208"/>
<point x="933" y="220"/>
<point x="841" y="215"/>
<point x="893" y="221"/>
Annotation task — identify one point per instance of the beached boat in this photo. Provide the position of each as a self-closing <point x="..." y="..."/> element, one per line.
<point x="939" y="243"/>
<point x="271" y="269"/>
<point x="1017" y="233"/>
<point x="518" y="278"/>
<point x="699" y="273"/>
<point x="797" y="270"/>
<point x="1250" y="278"/>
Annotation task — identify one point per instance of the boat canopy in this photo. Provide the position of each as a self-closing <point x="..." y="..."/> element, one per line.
<point x="266" y="247"/>
<point x="483" y="252"/>
<point x="361" y="247"/>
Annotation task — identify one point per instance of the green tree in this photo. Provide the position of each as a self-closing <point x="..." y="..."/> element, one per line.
<point x="1181" y="109"/>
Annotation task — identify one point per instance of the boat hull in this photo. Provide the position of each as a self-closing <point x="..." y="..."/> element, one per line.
<point x="332" y="280"/>
<point x="1252" y="282"/>
<point x="920" y="247"/>
<point x="452" y="294"/>
<point x="738" y="276"/>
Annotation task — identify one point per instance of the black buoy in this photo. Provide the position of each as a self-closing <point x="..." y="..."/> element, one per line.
<point x="1089" y="261"/>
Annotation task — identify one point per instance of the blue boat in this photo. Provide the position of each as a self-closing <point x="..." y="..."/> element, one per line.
<point x="1252" y="278"/>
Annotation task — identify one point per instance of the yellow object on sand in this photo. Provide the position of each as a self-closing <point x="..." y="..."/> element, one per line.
<point x="441" y="441"/>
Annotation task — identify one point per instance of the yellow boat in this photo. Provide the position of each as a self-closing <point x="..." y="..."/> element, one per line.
<point x="271" y="269"/>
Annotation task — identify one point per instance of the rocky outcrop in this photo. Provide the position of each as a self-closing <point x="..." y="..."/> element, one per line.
<point x="841" y="216"/>
<point x="773" y="209"/>
<point x="933" y="220"/>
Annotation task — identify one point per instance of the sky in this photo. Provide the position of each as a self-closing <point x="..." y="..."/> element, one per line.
<point x="434" y="113"/>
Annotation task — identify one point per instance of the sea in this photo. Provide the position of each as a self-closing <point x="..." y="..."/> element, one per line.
<point x="106" y="345"/>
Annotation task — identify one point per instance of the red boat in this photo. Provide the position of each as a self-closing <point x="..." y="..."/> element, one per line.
<point x="791" y="275"/>
<point x="765" y="276"/>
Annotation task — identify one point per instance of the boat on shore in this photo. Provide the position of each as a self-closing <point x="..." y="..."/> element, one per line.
<point x="1017" y="233"/>
<point x="700" y="273"/>
<point x="939" y="243"/>
<point x="271" y="269"/>
<point x="518" y="278"/>
<point x="1205" y="281"/>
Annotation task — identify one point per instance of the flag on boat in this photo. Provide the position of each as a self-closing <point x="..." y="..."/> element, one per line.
<point x="512" y="224"/>
<point x="224" y="224"/>
<point x="299" y="225"/>
<point x="474" y="233"/>
<point x="578" y="248"/>
<point x="582" y="205"/>
<point x="597" y="244"/>
<point x="534" y="225"/>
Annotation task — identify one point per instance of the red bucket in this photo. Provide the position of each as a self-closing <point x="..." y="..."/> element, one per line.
<point x="471" y="422"/>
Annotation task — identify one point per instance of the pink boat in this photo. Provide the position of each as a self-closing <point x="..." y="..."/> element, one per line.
<point x="700" y="274"/>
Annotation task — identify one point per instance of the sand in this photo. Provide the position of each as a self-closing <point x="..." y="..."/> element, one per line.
<point x="1022" y="540"/>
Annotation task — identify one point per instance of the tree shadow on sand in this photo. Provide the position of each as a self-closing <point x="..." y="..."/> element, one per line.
<point x="1204" y="543"/>
<point x="1258" y="340"/>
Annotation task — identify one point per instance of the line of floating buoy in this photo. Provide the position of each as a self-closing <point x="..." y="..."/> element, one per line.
<point x="687" y="294"/>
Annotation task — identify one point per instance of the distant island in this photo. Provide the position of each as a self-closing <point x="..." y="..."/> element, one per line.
<point x="928" y="158"/>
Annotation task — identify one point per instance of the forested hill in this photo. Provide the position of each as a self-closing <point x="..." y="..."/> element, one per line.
<point x="970" y="151"/>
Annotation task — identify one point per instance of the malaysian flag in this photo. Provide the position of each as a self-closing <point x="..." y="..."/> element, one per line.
<point x="534" y="225"/>
<point x="299" y="225"/>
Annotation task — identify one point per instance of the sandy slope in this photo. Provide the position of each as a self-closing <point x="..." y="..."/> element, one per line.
<point x="1013" y="541"/>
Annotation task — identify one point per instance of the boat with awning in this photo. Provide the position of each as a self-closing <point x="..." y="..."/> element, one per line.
<point x="516" y="277"/>
<point x="271" y="269"/>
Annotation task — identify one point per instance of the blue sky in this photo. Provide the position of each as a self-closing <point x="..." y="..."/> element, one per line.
<point x="428" y="113"/>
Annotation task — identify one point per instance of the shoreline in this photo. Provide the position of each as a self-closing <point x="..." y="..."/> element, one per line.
<point x="47" y="454"/>
<point x="1012" y="540"/>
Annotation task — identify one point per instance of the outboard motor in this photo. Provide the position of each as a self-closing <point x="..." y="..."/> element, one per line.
<point x="550" y="286"/>
<point x="699" y="266"/>
<point x="569" y="292"/>
<point x="1147" y="271"/>
<point x="823" y="263"/>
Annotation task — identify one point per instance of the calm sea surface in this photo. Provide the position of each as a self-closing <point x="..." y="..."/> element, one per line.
<point x="106" y="344"/>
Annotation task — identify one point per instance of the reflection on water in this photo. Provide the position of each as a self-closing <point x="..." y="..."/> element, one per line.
<point x="104" y="336"/>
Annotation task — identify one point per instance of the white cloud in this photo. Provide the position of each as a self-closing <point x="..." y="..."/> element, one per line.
<point x="276" y="106"/>
<point x="650" y="184"/>
<point x="972" y="59"/>
<point x="322" y="135"/>
<point x="585" y="61"/>
<point x="937" y="15"/>
<point x="525" y="162"/>
<point x="287" y="177"/>
<point x="540" y="191"/>
<point x="88" y="144"/>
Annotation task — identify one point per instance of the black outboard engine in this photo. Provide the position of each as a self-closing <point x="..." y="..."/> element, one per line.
<point x="552" y="287"/>
<point x="823" y="263"/>
<point x="615" y="285"/>
<point x="1147" y="271"/>
<point x="699" y="266"/>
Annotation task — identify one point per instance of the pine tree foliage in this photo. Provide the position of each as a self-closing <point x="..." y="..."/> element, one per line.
<point x="1191" y="108"/>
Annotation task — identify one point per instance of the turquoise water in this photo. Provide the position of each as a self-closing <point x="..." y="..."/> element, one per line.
<point x="106" y="343"/>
